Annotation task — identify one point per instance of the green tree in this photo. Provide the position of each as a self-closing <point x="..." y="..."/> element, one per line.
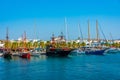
<point x="14" y="45"/>
<point x="47" y="43"/>
<point x="74" y="44"/>
<point x="42" y="44"/>
<point x="29" y="45"/>
<point x="21" y="44"/>
<point x="107" y="44"/>
<point x="35" y="44"/>
<point x="69" y="44"/>
<point x="78" y="45"/>
<point x="7" y="44"/>
<point x="83" y="44"/>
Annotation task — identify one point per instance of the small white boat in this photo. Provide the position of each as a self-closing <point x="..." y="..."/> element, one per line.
<point x="15" y="54"/>
<point x="1" y="54"/>
<point x="34" y="53"/>
<point x="77" y="52"/>
<point x="112" y="50"/>
<point x="37" y="52"/>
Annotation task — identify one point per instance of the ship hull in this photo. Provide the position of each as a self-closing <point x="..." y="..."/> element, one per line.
<point x="97" y="52"/>
<point x="58" y="53"/>
<point x="25" y="55"/>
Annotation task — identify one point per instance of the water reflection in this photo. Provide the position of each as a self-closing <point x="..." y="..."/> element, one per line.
<point x="15" y="58"/>
<point x="61" y="68"/>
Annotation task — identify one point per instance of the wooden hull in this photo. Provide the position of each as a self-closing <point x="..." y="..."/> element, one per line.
<point x="7" y="56"/>
<point x="58" y="53"/>
<point x="25" y="55"/>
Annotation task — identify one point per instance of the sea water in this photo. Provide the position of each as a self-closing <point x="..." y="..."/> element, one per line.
<point x="80" y="67"/>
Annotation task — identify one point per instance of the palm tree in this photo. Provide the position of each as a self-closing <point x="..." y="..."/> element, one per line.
<point x="14" y="45"/>
<point x="58" y="45"/>
<point x="78" y="45"/>
<point x="21" y="44"/>
<point x="42" y="44"/>
<point x="63" y="44"/>
<point x="74" y="44"/>
<point x="107" y="44"/>
<point x="7" y="44"/>
<point x="47" y="43"/>
<point x="29" y="45"/>
<point x="119" y="45"/>
<point x="69" y="44"/>
<point x="83" y="44"/>
<point x="113" y="45"/>
<point x="35" y="44"/>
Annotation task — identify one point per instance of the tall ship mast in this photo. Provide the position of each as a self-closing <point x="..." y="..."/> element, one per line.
<point x="88" y="31"/>
<point x="25" y="53"/>
<point x="35" y="34"/>
<point x="53" y="38"/>
<point x="66" y="28"/>
<point x="80" y="32"/>
<point x="7" y="39"/>
<point x="97" y="31"/>
<point x="24" y="39"/>
<point x="7" y="53"/>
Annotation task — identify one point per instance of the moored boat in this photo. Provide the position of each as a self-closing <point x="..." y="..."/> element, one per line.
<point x="6" y="51"/>
<point x="1" y="52"/>
<point x="25" y="55"/>
<point x="112" y="51"/>
<point x="7" y="55"/>
<point x="95" y="52"/>
<point x="77" y="52"/>
<point x="25" y="52"/>
<point x="37" y="52"/>
<point x="15" y="54"/>
<point x="60" y="52"/>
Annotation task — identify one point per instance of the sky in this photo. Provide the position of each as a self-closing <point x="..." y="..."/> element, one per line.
<point x="41" y="18"/>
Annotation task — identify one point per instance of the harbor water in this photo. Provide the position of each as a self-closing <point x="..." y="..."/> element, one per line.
<point x="80" y="67"/>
